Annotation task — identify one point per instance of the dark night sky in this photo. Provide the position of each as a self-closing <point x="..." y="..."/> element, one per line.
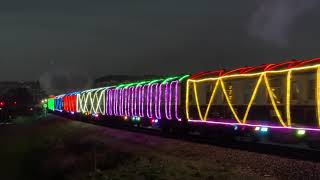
<point x="72" y="41"/>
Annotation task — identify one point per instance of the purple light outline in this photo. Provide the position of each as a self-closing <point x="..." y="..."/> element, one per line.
<point x="148" y="101"/>
<point x="143" y="100"/>
<point x="111" y="101"/>
<point x="139" y="99"/>
<point x="106" y="101"/>
<point x="132" y="100"/>
<point x="253" y="125"/>
<point x="128" y="101"/>
<point x="170" y="100"/>
<point x="166" y="102"/>
<point x="135" y="100"/>
<point x="159" y="101"/>
<point x="125" y="102"/>
<point x="156" y="100"/>
<point x="177" y="100"/>
<point x="120" y="102"/>
<point x="115" y="101"/>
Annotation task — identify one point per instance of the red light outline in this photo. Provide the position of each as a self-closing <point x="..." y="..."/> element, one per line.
<point x="301" y="63"/>
<point x="266" y="67"/>
<point x="254" y="68"/>
<point x="288" y="63"/>
<point x="235" y="70"/>
<point x="198" y="75"/>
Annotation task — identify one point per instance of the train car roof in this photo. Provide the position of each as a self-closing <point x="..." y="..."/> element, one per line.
<point x="256" y="69"/>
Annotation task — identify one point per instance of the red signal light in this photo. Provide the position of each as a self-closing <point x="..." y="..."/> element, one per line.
<point x="2" y="104"/>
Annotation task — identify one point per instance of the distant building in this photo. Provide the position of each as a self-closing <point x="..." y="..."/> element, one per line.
<point x="111" y="80"/>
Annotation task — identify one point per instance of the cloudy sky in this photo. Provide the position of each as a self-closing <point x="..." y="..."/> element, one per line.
<point x="76" y="40"/>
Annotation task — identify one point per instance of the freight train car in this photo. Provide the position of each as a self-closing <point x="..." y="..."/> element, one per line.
<point x="277" y="102"/>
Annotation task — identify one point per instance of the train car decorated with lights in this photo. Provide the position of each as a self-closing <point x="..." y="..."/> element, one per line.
<point x="278" y="102"/>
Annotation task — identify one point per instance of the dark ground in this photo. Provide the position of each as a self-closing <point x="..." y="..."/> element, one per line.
<point x="56" y="148"/>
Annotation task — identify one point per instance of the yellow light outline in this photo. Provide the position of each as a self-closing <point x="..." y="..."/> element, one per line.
<point x="275" y="107"/>
<point x="229" y="102"/>
<point x="252" y="98"/>
<point x="211" y="98"/>
<point x="270" y="93"/>
<point x="197" y="100"/>
<point x="288" y="98"/>
<point x="318" y="95"/>
<point x="187" y="101"/>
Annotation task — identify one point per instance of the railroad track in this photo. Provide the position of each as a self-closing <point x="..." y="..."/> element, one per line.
<point x="298" y="152"/>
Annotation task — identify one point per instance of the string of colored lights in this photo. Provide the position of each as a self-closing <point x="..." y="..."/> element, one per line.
<point x="144" y="98"/>
<point x="262" y="76"/>
<point x="51" y="104"/>
<point x="254" y="125"/>
<point x="59" y="102"/>
<point x="92" y="101"/>
<point x="69" y="102"/>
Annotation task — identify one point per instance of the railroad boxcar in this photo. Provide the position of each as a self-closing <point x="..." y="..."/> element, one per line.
<point x="277" y="102"/>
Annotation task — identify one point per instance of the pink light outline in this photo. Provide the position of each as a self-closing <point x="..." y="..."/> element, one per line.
<point x="253" y="125"/>
<point x="121" y="102"/>
<point x="143" y="100"/>
<point x="166" y="102"/>
<point x="177" y="98"/>
<point x="159" y="101"/>
<point x="132" y="100"/>
<point x="115" y="94"/>
<point x="170" y="100"/>
<point x="156" y="100"/>
<point x="125" y="102"/>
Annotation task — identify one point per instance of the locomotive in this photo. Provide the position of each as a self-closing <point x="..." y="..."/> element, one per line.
<point x="270" y="102"/>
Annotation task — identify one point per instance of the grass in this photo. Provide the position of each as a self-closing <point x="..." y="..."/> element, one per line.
<point x="59" y="149"/>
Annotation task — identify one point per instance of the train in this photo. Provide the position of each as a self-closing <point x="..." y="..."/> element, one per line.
<point x="277" y="103"/>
